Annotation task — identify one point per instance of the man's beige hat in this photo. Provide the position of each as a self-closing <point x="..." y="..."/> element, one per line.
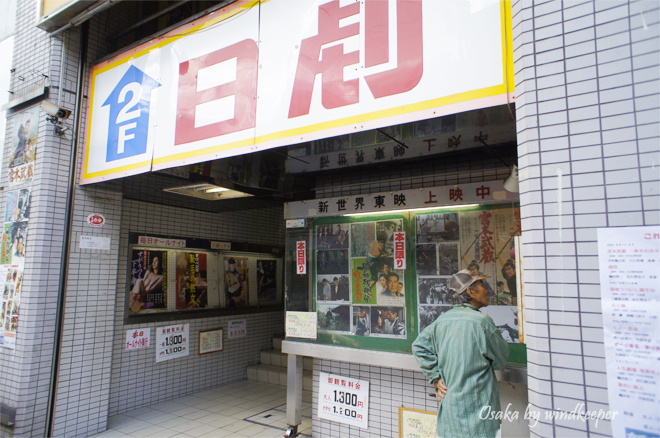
<point x="462" y="280"/>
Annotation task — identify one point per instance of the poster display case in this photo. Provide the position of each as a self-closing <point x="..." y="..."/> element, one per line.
<point x="168" y="276"/>
<point x="363" y="301"/>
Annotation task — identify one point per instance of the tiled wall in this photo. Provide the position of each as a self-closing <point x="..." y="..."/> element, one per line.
<point x="391" y="388"/>
<point x="137" y="380"/>
<point x="587" y="101"/>
<point x="26" y="370"/>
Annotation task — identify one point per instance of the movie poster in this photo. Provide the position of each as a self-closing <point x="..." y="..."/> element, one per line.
<point x="507" y="226"/>
<point x="24" y="146"/>
<point x="477" y="247"/>
<point x="334" y="318"/>
<point x="266" y="280"/>
<point x="361" y="321"/>
<point x="332" y="237"/>
<point x="148" y="283"/>
<point x="237" y="288"/>
<point x="191" y="281"/>
<point x="388" y="322"/>
<point x="11" y="278"/>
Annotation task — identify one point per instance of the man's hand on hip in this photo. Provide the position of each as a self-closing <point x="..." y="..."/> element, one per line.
<point x="440" y="389"/>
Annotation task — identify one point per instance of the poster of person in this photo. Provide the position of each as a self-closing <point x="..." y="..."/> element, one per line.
<point x="437" y="227"/>
<point x="506" y="227"/>
<point x="334" y="318"/>
<point x="266" y="280"/>
<point x="361" y="321"/>
<point x="191" y="281"/>
<point x="477" y="247"/>
<point x="332" y="262"/>
<point x="10" y="279"/>
<point x="447" y="258"/>
<point x="362" y="236"/>
<point x="24" y="146"/>
<point x="17" y="206"/>
<point x="332" y="288"/>
<point x="505" y="319"/>
<point x="428" y="314"/>
<point x="14" y="240"/>
<point x="434" y="290"/>
<point x="332" y="236"/>
<point x="148" y="281"/>
<point x="390" y="288"/>
<point x="425" y="259"/>
<point x="385" y="233"/>
<point x="388" y="322"/>
<point x="236" y="281"/>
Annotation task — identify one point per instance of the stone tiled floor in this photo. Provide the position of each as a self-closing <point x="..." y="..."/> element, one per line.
<point x="243" y="409"/>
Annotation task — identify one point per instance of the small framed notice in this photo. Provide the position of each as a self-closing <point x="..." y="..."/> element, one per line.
<point x="210" y="341"/>
<point x="418" y="424"/>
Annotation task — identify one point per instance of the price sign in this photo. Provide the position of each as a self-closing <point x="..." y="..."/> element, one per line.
<point x="237" y="328"/>
<point x="344" y="400"/>
<point x="172" y="341"/>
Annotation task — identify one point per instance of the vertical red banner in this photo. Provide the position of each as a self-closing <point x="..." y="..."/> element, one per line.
<point x="400" y="250"/>
<point x="301" y="257"/>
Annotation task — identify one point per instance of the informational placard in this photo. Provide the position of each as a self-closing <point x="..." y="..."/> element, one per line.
<point x="95" y="242"/>
<point x="210" y="341"/>
<point x="400" y="250"/>
<point x="301" y="257"/>
<point x="344" y="400"/>
<point x="237" y="328"/>
<point x="301" y="325"/>
<point x="172" y="341"/>
<point x="138" y="338"/>
<point x="417" y="424"/>
<point x="629" y="262"/>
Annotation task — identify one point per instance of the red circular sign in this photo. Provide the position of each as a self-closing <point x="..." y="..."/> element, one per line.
<point x="96" y="220"/>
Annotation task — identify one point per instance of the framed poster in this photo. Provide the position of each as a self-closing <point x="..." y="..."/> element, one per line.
<point x="210" y="341"/>
<point x="417" y="424"/>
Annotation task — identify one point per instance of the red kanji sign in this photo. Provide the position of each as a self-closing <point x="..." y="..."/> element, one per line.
<point x="400" y="250"/>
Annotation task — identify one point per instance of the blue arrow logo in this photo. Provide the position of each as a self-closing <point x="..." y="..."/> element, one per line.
<point x="129" y="115"/>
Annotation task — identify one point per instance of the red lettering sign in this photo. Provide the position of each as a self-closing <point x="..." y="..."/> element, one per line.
<point x="244" y="89"/>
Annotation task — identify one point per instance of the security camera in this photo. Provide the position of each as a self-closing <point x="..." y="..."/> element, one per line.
<point x="55" y="110"/>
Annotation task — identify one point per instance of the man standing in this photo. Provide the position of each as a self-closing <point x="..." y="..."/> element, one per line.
<point x="459" y="353"/>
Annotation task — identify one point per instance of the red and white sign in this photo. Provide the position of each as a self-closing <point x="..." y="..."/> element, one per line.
<point x="95" y="220"/>
<point x="301" y="257"/>
<point x="243" y="79"/>
<point x="400" y="250"/>
<point x="138" y="338"/>
<point x="159" y="241"/>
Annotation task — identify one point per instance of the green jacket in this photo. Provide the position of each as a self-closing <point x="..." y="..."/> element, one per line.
<point x="464" y="347"/>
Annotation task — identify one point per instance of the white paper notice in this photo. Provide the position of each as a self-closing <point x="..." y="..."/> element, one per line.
<point x="301" y="325"/>
<point x="138" y="338"/>
<point x="629" y="261"/>
<point x="94" y="242"/>
<point x="172" y="341"/>
<point x="344" y="400"/>
<point x="237" y="328"/>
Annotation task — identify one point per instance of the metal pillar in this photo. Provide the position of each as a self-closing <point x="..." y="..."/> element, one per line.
<point x="294" y="389"/>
